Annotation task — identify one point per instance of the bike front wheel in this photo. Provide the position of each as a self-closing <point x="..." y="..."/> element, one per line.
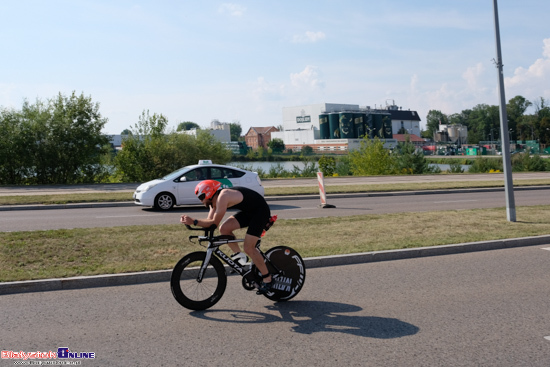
<point x="192" y="293"/>
<point x="288" y="270"/>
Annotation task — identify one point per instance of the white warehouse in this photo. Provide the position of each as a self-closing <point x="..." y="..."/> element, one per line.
<point x="339" y="127"/>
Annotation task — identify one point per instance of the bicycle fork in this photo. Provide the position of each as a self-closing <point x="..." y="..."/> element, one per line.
<point x="205" y="264"/>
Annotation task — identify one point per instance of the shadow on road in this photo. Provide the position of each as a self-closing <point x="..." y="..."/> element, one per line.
<point x="316" y="316"/>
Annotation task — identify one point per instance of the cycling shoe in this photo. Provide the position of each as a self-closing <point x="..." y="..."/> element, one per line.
<point x="265" y="288"/>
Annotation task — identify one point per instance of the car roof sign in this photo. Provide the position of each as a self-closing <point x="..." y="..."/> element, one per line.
<point x="205" y="161"/>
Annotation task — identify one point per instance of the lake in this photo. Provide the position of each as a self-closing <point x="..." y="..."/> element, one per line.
<point x="289" y="165"/>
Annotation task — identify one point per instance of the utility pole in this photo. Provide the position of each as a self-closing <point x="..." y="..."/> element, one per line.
<point x="506" y="156"/>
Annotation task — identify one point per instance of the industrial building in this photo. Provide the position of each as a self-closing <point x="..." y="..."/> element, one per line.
<point x="338" y="128"/>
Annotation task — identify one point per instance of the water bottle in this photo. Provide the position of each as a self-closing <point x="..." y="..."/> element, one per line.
<point x="240" y="258"/>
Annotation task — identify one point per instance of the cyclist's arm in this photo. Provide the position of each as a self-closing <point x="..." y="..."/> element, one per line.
<point x="215" y="215"/>
<point x="211" y="212"/>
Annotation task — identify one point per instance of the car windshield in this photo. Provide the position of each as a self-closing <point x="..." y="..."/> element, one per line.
<point x="176" y="174"/>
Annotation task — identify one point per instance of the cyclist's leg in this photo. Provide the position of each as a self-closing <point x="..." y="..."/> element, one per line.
<point x="228" y="226"/>
<point x="255" y="255"/>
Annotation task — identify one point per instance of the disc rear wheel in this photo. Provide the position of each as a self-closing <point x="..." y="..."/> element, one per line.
<point x="288" y="270"/>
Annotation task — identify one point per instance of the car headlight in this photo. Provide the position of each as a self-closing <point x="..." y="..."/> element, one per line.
<point x="148" y="187"/>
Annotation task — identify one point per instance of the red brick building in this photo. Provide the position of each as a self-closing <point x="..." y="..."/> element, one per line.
<point x="259" y="136"/>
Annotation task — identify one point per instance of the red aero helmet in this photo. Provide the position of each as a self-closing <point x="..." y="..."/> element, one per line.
<point x="206" y="189"/>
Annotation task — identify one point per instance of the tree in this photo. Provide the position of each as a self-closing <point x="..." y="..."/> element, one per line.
<point x="409" y="160"/>
<point x="187" y="125"/>
<point x="15" y="161"/>
<point x="515" y="109"/>
<point x="58" y="141"/>
<point x="433" y="120"/>
<point x="327" y="165"/>
<point x="277" y="145"/>
<point x="235" y="130"/>
<point x="149" y="152"/>
<point x="138" y="159"/>
<point x="542" y="121"/>
<point x="307" y="150"/>
<point x="371" y="159"/>
<point x="481" y="120"/>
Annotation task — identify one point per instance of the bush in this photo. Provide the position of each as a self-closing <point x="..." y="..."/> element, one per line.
<point x="485" y="165"/>
<point x="309" y="170"/>
<point x="455" y="167"/>
<point x="410" y="161"/>
<point x="523" y="162"/>
<point x="327" y="165"/>
<point x="343" y="167"/>
<point x="371" y="159"/>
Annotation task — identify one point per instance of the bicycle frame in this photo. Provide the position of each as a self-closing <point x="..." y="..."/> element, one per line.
<point x="214" y="248"/>
<point x="214" y="243"/>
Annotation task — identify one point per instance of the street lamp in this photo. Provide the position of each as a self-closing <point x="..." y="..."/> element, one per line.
<point x="506" y="160"/>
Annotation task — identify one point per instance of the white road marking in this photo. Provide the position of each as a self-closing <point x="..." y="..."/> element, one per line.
<point x="546" y="248"/>
<point x="547" y="338"/>
<point x="128" y="216"/>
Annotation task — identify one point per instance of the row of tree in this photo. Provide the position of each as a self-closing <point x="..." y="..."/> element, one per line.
<point x="483" y="121"/>
<point x="60" y="141"/>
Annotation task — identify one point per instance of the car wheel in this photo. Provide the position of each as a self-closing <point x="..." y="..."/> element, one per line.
<point x="164" y="201"/>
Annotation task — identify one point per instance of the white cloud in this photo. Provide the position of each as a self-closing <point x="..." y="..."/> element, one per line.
<point x="265" y="91"/>
<point x="414" y="83"/>
<point x="534" y="79"/>
<point x="472" y="76"/>
<point x="309" y="37"/>
<point x="235" y="10"/>
<point x="307" y="79"/>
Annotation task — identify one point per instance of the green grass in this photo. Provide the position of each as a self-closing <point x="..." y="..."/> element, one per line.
<point x="75" y="252"/>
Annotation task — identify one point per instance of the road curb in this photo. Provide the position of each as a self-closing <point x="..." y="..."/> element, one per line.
<point x="313" y="262"/>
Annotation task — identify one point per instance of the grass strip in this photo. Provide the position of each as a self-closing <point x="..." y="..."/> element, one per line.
<point x="76" y="252"/>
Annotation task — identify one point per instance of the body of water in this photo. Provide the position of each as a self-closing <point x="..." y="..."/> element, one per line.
<point x="289" y="166"/>
<point x="266" y="166"/>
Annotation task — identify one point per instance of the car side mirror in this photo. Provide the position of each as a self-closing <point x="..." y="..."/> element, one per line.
<point x="183" y="179"/>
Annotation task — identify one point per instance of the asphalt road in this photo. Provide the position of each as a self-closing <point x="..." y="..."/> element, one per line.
<point x="366" y="180"/>
<point x="475" y="309"/>
<point x="291" y="208"/>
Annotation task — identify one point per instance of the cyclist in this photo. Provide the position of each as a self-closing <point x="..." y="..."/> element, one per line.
<point x="254" y="213"/>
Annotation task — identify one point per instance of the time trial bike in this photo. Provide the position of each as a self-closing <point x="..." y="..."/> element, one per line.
<point x="199" y="279"/>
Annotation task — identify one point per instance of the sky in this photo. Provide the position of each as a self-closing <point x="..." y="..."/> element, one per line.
<point x="246" y="60"/>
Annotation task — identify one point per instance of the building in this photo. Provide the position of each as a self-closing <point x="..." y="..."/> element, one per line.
<point x="219" y="130"/>
<point x="259" y="136"/>
<point x="414" y="139"/>
<point x="338" y="128"/>
<point x="454" y="134"/>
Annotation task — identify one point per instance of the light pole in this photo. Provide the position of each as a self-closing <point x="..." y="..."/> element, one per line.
<point x="506" y="160"/>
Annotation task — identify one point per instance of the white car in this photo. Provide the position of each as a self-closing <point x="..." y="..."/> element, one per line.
<point x="178" y="188"/>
